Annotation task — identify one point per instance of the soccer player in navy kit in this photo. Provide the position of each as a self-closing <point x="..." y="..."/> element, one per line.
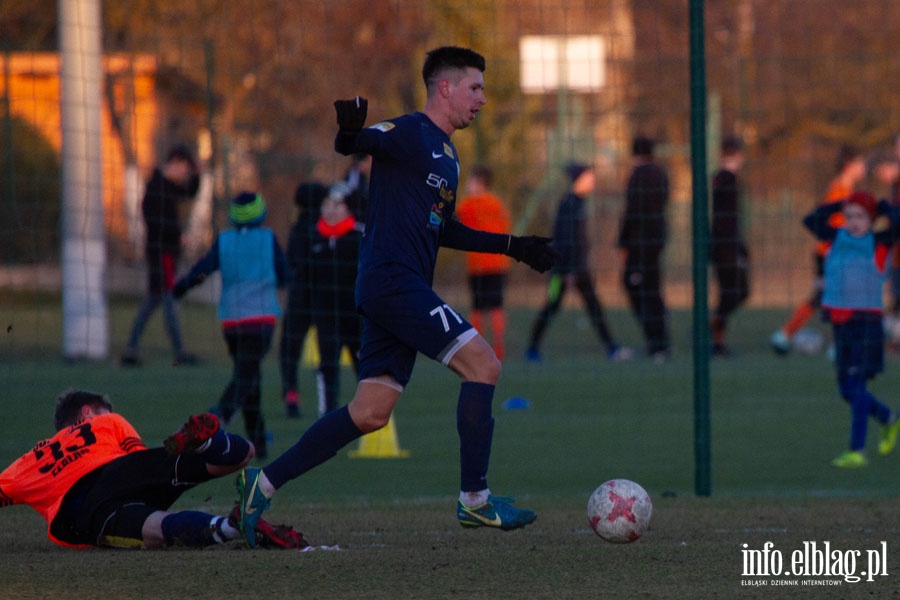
<point x="412" y="196"/>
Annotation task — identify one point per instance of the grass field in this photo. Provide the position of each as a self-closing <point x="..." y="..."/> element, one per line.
<point x="776" y="423"/>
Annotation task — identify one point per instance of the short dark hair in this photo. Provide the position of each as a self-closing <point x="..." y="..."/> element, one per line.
<point x="642" y="146"/>
<point x="731" y="145"/>
<point x="183" y="153"/>
<point x="70" y="403"/>
<point x="309" y="195"/>
<point x="484" y="173"/>
<point x="449" y="57"/>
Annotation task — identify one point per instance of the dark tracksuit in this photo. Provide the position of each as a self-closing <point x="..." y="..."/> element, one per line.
<point x="728" y="250"/>
<point x="332" y="266"/>
<point x="298" y="312"/>
<point x="570" y="239"/>
<point x="643" y="236"/>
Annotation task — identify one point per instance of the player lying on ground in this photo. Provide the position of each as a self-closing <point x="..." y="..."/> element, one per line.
<point x="97" y="484"/>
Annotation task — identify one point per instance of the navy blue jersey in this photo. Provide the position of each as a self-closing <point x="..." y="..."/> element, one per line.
<point x="412" y="194"/>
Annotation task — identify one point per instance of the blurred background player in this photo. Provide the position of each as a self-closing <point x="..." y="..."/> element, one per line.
<point x="482" y="209"/>
<point x="728" y="248"/>
<point x="253" y="267"/>
<point x="298" y="312"/>
<point x="175" y="181"/>
<point x="572" y="270"/>
<point x="332" y="265"/>
<point x="642" y="239"/>
<point x="357" y="178"/>
<point x="97" y="484"/>
<point x="854" y="272"/>
<point x="850" y="169"/>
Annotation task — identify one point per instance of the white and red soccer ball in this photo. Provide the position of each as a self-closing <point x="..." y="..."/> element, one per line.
<point x="620" y="511"/>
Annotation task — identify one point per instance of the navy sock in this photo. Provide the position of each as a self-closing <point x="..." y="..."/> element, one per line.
<point x="225" y="449"/>
<point x="320" y="442"/>
<point x="862" y="406"/>
<point x="189" y="528"/>
<point x="475" y="426"/>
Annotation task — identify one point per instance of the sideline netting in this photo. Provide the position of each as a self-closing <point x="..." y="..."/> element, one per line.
<point x="249" y="88"/>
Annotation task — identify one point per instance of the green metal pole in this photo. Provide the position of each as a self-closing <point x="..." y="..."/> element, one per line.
<point x="700" y="220"/>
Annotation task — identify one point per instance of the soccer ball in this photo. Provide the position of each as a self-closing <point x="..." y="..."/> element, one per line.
<point x="619" y="511"/>
<point x="808" y="341"/>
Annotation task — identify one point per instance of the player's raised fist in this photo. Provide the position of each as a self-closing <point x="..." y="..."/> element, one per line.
<point x="351" y="114"/>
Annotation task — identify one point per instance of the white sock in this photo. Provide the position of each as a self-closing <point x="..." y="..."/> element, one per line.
<point x="265" y="486"/>
<point x="224" y="531"/>
<point x="473" y="499"/>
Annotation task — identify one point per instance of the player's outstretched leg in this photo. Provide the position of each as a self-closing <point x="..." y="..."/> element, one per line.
<point x="496" y="512"/>
<point x="252" y="503"/>
<point x="192" y="434"/>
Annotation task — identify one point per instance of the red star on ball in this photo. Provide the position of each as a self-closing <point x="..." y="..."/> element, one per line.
<point x="621" y="507"/>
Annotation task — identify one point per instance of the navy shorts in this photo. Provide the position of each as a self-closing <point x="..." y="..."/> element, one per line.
<point x="398" y="325"/>
<point x="859" y="346"/>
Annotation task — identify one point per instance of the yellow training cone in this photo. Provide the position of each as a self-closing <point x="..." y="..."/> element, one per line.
<point x="310" y="353"/>
<point x="380" y="444"/>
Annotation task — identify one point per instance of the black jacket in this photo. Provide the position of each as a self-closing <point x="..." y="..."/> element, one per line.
<point x="160" y="210"/>
<point x="332" y="268"/>
<point x="570" y="235"/>
<point x="643" y="227"/>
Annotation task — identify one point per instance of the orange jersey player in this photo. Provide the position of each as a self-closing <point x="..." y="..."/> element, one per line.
<point x="97" y="484"/>
<point x="840" y="189"/>
<point x="41" y="477"/>
<point x="482" y="209"/>
<point x="850" y="168"/>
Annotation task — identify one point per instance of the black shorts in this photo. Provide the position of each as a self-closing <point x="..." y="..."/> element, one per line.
<point x="113" y="501"/>
<point x="487" y="290"/>
<point x="859" y="346"/>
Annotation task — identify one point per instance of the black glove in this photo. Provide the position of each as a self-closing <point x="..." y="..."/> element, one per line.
<point x="534" y="251"/>
<point x="181" y="288"/>
<point x="351" y="114"/>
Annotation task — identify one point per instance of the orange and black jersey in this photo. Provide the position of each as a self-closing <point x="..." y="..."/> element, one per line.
<point x="485" y="212"/>
<point x="41" y="477"/>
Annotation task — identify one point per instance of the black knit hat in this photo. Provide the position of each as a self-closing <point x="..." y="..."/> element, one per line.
<point x="642" y="146"/>
<point x="309" y="195"/>
<point x="575" y="169"/>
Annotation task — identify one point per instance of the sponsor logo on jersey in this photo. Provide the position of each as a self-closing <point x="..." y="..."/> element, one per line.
<point x="383" y="126"/>
<point x="447" y="151"/>
<point x="435" y="217"/>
